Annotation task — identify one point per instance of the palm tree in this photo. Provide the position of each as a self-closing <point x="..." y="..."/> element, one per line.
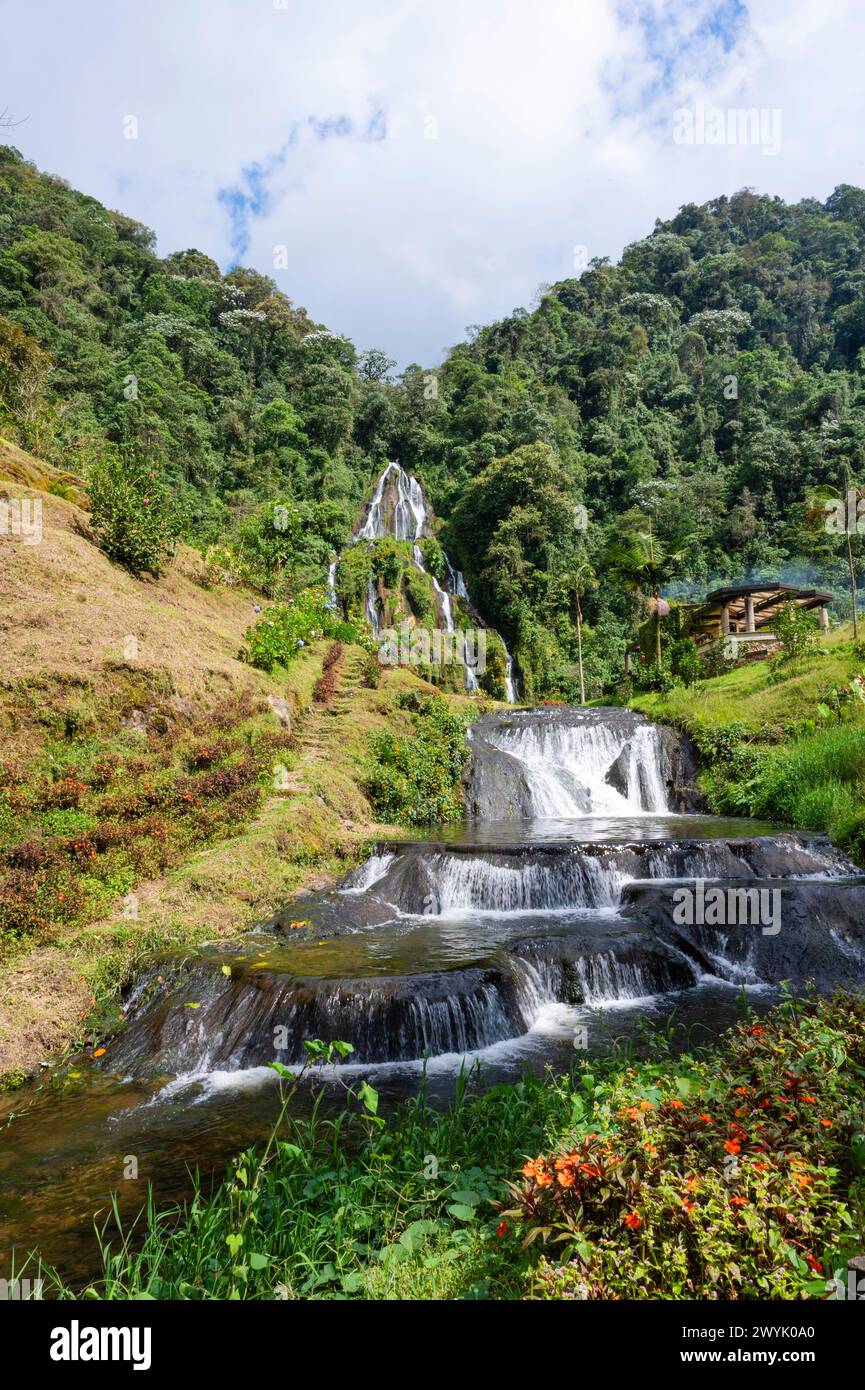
<point x="642" y="561"/>
<point x="818" y="512"/>
<point x="582" y="577"/>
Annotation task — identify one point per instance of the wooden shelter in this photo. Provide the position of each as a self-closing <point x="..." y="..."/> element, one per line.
<point x="741" y="615"/>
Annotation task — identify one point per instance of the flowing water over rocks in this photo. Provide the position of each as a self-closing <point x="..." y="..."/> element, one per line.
<point x="450" y="946"/>
<point x="399" y="508"/>
<point x="553" y="918"/>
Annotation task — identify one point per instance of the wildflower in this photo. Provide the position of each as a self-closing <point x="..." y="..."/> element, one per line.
<point x="688" y="1207"/>
<point x="809" y="1100"/>
<point x="813" y="1264"/>
<point x="827" y="1124"/>
<point x="738" y="1201"/>
<point x="677" y="1104"/>
<point x="742" y="1090"/>
<point x="501" y="1230"/>
<point x="706" y="1118"/>
<point x="633" y="1221"/>
<point x="732" y="1146"/>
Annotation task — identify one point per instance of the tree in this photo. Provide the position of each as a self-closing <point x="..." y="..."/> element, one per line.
<point x="641" y="561"/>
<point x="582" y="577"/>
<point x="374" y="365"/>
<point x="830" y="508"/>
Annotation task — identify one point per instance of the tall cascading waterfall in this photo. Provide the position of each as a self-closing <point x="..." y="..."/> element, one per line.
<point x="399" y="508"/>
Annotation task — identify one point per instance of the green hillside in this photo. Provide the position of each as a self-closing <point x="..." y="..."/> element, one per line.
<point x="698" y="388"/>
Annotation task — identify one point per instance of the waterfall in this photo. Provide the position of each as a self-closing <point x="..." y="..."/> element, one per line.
<point x="409" y="514"/>
<point x="399" y="508"/>
<point x="510" y="692"/>
<point x="566" y="763"/>
<point x="371" y="611"/>
<point x="332" y="600"/>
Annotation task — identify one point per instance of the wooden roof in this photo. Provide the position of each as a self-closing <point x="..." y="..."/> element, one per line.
<point x="767" y="597"/>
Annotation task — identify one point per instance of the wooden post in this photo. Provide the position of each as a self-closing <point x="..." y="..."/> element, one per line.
<point x="749" y="612"/>
<point x="824" y="618"/>
<point x="725" y="619"/>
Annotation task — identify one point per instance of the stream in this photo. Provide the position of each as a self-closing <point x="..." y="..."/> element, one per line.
<point x="544" y="924"/>
<point x="549" y="924"/>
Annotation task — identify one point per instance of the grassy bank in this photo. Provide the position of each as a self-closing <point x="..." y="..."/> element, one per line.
<point x="783" y="743"/>
<point x="156" y="790"/>
<point x="734" y="1172"/>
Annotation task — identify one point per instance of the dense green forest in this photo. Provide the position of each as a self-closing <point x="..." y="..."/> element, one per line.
<point x="695" y="392"/>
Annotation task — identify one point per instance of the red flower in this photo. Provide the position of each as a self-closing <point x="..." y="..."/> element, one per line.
<point x="633" y="1221"/>
<point x="502" y="1228"/>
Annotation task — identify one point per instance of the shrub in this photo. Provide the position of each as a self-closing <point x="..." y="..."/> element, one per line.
<point x="643" y="1198"/>
<point x="418" y="780"/>
<point x="134" y="515"/>
<point x="286" y="627"/>
<point x="796" y="630"/>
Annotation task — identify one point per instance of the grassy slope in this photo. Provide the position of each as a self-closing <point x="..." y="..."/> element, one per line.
<point x="766" y="749"/>
<point x="69" y="694"/>
<point x="747" y="696"/>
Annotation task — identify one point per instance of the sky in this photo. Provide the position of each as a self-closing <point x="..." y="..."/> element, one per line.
<point x="405" y="168"/>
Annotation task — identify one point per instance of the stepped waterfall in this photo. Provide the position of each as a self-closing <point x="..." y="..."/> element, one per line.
<point x="554" y="902"/>
<point x="549" y="921"/>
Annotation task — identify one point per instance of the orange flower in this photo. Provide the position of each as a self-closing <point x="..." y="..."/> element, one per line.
<point x="732" y="1146"/>
<point x="647" y="1105"/>
<point x="100" y="1052"/>
<point x="814" y="1265"/>
<point x="544" y="1179"/>
<point x="742" y="1090"/>
<point x="809" y="1100"/>
<point x="633" y="1221"/>
<point x="827" y="1124"/>
<point x="677" y="1104"/>
<point x="706" y="1118"/>
<point x="738" y="1201"/>
<point x="688" y="1207"/>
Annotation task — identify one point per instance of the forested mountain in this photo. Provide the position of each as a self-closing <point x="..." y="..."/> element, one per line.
<point x="697" y="389"/>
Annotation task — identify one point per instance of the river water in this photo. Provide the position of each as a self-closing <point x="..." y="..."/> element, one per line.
<point x="542" y="927"/>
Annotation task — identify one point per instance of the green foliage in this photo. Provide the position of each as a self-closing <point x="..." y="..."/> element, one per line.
<point x="388" y="558"/>
<point x="285" y="628"/>
<point x="796" y="630"/>
<point x="417" y="780"/>
<point x="639" y="1194"/>
<point x="346" y="1206"/>
<point x="135" y="518"/>
<point x="102" y="810"/>
<point x="707" y="386"/>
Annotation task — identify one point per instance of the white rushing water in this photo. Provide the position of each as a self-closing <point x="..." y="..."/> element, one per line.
<point x="399" y="508"/>
<point x="574" y="768"/>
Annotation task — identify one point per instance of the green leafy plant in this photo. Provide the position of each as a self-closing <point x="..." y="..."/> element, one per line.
<point x="134" y="515"/>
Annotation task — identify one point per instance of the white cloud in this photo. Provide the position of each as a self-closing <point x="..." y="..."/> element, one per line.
<point x="554" y="129"/>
